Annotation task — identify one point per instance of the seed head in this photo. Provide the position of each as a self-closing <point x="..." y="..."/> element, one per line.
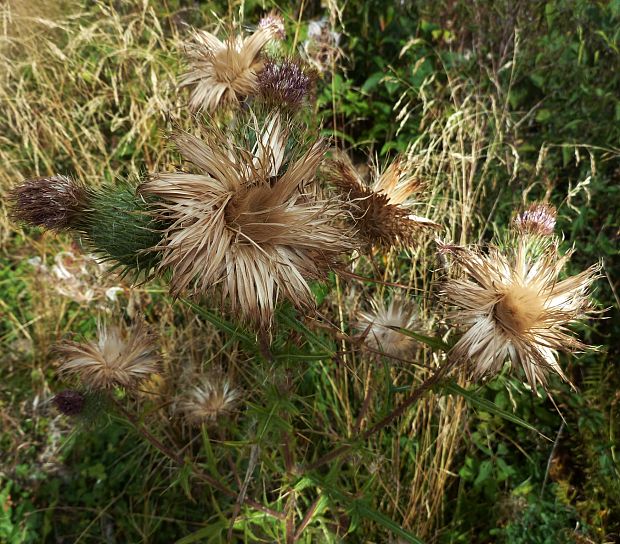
<point x="120" y="357"/>
<point x="209" y="399"/>
<point x="378" y="327"/>
<point x="514" y="306"/>
<point x="52" y="202"/>
<point x="538" y="219"/>
<point x="221" y="73"/>
<point x="321" y="48"/>
<point x="284" y="83"/>
<point x="69" y="402"/>
<point x="380" y="212"/>
<point x="249" y="224"/>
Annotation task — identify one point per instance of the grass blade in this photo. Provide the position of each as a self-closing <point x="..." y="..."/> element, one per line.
<point x="452" y="388"/>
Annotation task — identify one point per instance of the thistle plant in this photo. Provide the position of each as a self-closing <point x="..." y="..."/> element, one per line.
<point x="285" y="84"/>
<point x="248" y="225"/>
<point x="381" y="326"/>
<point x="55" y="202"/>
<point x="121" y="357"/>
<point x="222" y="73"/>
<point x="207" y="398"/>
<point x="249" y="222"/>
<point x="112" y="219"/>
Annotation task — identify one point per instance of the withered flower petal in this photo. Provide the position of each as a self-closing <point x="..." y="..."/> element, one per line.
<point x="515" y="307"/>
<point x="250" y="223"/>
<point x="221" y="73"/>
<point x="120" y="357"/>
<point x="380" y="211"/>
<point x="210" y="398"/>
<point x="378" y="324"/>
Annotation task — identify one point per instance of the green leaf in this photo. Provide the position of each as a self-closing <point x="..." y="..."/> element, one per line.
<point x="372" y="82"/>
<point x="221" y="324"/>
<point x="360" y="508"/>
<point x="452" y="388"/>
<point x="431" y="342"/>
<point x="286" y="315"/>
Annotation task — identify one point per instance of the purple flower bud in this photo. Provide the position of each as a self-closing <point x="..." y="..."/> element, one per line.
<point x="284" y="83"/>
<point x="69" y="402"/>
<point x="52" y="202"/>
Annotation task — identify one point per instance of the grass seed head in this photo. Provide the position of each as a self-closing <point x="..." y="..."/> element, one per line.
<point x="221" y="73"/>
<point x="514" y="307"/>
<point x="53" y="202"/>
<point x="120" y="357"/>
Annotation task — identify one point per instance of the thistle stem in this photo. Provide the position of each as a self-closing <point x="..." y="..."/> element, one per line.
<point x="427" y="384"/>
<point x="180" y="462"/>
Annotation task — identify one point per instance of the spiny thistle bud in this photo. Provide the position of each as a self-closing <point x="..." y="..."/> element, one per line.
<point x="284" y="83"/>
<point x="209" y="399"/>
<point x="379" y="326"/>
<point x="538" y="219"/>
<point x="274" y="20"/>
<point x="69" y="402"/>
<point x="121" y="229"/>
<point x="113" y="218"/>
<point x="120" y="357"/>
<point x="54" y="202"/>
<point x="514" y="307"/>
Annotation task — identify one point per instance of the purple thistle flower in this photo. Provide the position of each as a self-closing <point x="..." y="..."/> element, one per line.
<point x="284" y="83"/>
<point x="52" y="202"/>
<point x="538" y="219"/>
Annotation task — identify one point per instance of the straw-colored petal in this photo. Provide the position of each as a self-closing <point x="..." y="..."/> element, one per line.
<point x="514" y="307"/>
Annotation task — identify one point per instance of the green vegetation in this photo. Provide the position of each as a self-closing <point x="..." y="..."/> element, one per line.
<point x="497" y="104"/>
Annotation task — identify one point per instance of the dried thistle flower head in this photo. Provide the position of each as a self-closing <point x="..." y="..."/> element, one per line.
<point x="53" y="202"/>
<point x="538" y="219"/>
<point x="274" y="20"/>
<point x="120" y="357"/>
<point x="514" y="306"/>
<point x="284" y="83"/>
<point x="223" y="73"/>
<point x="380" y="212"/>
<point x="209" y="399"/>
<point x="321" y="48"/>
<point x="377" y="325"/>
<point x="250" y="223"/>
<point x="69" y="402"/>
